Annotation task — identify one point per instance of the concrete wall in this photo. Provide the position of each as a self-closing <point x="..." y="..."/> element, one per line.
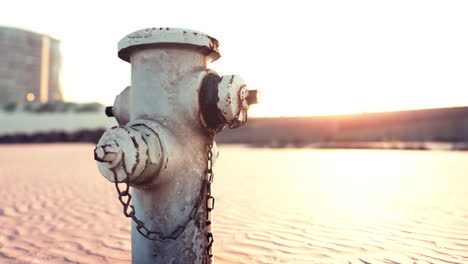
<point x="24" y="64"/>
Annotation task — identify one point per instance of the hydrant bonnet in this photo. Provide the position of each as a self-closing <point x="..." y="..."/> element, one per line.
<point x="167" y="37"/>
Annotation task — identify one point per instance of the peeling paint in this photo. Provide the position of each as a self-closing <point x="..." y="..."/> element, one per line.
<point x="208" y="45"/>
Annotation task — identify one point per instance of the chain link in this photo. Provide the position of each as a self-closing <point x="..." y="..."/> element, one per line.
<point x="205" y="194"/>
<point x="210" y="200"/>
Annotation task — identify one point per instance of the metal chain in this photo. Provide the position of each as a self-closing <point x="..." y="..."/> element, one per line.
<point x="210" y="200"/>
<point x="205" y="192"/>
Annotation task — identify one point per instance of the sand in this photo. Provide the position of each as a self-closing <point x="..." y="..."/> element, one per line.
<point x="272" y="206"/>
<point x="56" y="209"/>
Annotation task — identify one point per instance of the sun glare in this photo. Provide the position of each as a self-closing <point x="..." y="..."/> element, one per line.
<point x="322" y="58"/>
<point x="30" y="97"/>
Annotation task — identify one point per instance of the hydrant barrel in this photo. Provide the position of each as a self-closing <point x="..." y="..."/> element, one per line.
<point x="155" y="73"/>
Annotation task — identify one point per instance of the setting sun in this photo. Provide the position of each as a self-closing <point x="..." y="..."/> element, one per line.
<point x="30" y="97"/>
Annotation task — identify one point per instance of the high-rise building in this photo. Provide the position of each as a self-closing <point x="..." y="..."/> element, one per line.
<point x="29" y="67"/>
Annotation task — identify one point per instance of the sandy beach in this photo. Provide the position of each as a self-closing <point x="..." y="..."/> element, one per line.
<point x="56" y="209"/>
<point x="272" y="206"/>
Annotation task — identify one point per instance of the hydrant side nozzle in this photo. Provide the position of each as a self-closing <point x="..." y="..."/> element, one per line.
<point x="224" y="101"/>
<point x="121" y="108"/>
<point x="135" y="151"/>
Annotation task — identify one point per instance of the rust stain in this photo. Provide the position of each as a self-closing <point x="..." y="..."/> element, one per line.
<point x="214" y="44"/>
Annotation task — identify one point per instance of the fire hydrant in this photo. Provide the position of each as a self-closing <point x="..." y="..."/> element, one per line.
<point x="164" y="145"/>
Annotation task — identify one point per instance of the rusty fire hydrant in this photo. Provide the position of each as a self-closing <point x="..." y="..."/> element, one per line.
<point x="164" y="145"/>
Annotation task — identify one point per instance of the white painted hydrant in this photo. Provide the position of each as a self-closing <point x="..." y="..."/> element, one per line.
<point x="164" y="145"/>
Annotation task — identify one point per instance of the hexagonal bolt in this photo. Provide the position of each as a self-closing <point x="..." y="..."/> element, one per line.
<point x="253" y="97"/>
<point x="105" y="153"/>
<point x="109" y="111"/>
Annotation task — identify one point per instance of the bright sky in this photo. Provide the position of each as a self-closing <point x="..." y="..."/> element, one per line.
<point x="306" y="57"/>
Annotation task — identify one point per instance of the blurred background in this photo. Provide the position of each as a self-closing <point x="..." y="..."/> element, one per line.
<point x="364" y="109"/>
<point x="307" y="58"/>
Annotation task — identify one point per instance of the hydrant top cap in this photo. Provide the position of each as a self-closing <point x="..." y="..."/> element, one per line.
<point x="176" y="36"/>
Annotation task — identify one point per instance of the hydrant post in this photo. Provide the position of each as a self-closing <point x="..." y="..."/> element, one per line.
<point x="163" y="146"/>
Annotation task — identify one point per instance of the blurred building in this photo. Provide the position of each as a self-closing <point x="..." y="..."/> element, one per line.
<point x="29" y="67"/>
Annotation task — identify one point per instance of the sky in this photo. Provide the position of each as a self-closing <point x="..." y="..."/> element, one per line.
<point x="306" y="57"/>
